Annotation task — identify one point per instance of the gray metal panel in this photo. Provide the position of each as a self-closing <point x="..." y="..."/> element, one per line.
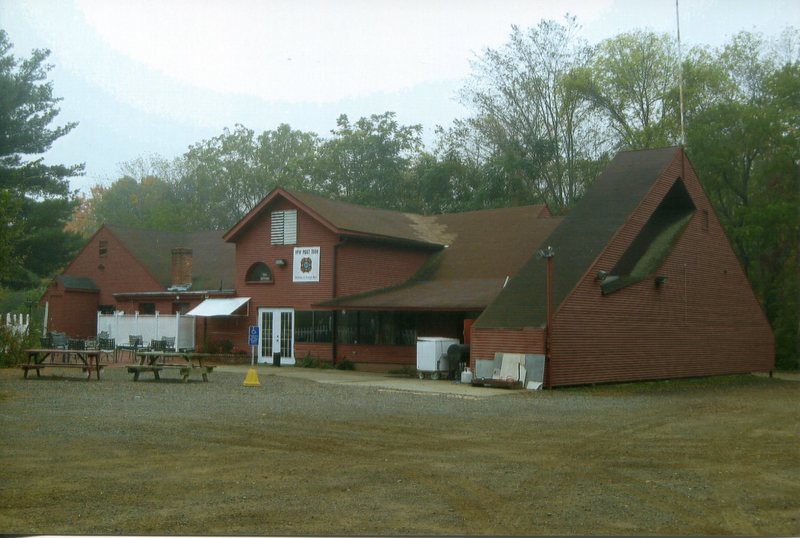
<point x="534" y="364"/>
<point x="484" y="369"/>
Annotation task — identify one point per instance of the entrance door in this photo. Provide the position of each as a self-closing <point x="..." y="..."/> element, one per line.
<point x="277" y="334"/>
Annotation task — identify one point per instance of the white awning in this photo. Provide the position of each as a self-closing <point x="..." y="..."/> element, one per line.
<point x="218" y="307"/>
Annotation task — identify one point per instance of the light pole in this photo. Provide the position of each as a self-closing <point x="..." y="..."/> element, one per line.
<point x="547" y="254"/>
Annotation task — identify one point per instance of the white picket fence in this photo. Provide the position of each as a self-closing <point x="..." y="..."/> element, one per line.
<point x="120" y="327"/>
<point x="18" y="323"/>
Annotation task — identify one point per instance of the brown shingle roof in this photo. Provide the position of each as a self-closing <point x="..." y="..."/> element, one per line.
<point x="77" y="283"/>
<point x="579" y="239"/>
<point x="484" y="248"/>
<point x="354" y="220"/>
<point x="212" y="258"/>
<point x="373" y="222"/>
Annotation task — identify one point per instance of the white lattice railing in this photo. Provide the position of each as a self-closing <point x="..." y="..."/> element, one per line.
<point x="18" y="323"/>
<point x="121" y="326"/>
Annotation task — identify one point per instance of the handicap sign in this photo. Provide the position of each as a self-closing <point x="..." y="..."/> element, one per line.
<point x="253" y="332"/>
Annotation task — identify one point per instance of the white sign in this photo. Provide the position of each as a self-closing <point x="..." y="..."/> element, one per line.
<point x="306" y="264"/>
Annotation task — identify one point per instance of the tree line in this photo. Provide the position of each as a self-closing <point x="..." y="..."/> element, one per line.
<point x="547" y="112"/>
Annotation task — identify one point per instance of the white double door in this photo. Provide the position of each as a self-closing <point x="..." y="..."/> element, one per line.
<point x="276" y="334"/>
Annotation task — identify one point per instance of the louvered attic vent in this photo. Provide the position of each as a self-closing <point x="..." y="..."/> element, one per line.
<point x="284" y="227"/>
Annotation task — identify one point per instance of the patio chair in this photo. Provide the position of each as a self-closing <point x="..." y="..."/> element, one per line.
<point x="169" y="343"/>
<point x="58" y="340"/>
<point x="107" y="345"/>
<point x="135" y="343"/>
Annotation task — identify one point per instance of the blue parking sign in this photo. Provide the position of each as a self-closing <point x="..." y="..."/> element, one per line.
<point x="253" y="333"/>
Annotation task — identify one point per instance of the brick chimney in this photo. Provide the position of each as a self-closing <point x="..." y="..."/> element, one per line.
<point x="181" y="266"/>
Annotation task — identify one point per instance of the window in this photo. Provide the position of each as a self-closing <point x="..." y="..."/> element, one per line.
<point x="259" y="272"/>
<point x="147" y="309"/>
<point x="103" y="249"/>
<point x="654" y="242"/>
<point x="284" y="227"/>
<point x="313" y="326"/>
<point x="382" y="328"/>
<point x="180" y="308"/>
<point x="105" y="308"/>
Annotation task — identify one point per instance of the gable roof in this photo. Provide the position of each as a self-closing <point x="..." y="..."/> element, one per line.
<point x="579" y="239"/>
<point x="78" y="283"/>
<point x="484" y="249"/>
<point x="212" y="258"/>
<point x="351" y="220"/>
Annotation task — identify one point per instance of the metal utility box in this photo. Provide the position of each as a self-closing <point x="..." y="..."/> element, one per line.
<point x="432" y="355"/>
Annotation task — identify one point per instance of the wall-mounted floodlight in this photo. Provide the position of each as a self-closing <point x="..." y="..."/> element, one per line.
<point x="544" y="253"/>
<point x="280" y="262"/>
<point x="601" y="275"/>
<point x="660" y="281"/>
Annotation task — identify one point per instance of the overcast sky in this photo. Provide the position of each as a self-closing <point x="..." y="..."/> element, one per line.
<point x="153" y="77"/>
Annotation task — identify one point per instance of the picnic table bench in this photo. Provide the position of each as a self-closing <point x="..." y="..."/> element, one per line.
<point x="156" y="362"/>
<point x="88" y="360"/>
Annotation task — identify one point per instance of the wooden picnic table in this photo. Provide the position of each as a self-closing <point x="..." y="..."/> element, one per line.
<point x="86" y="359"/>
<point x="156" y="361"/>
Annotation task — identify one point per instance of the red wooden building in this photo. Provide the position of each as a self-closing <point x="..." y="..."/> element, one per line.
<point x="339" y="281"/>
<point x="645" y="284"/>
<point x="141" y="271"/>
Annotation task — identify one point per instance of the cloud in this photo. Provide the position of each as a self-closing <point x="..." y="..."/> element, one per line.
<point x="315" y="51"/>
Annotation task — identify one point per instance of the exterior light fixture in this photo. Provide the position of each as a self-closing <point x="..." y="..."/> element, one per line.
<point x="280" y="262"/>
<point x="601" y="275"/>
<point x="545" y="253"/>
<point x="660" y="281"/>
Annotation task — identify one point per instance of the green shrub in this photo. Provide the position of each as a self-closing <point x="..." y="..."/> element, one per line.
<point x="226" y="346"/>
<point x="345" y="364"/>
<point x="309" y="361"/>
<point x="12" y="347"/>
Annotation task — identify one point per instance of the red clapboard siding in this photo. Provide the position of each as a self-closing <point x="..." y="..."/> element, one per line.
<point x="75" y="313"/>
<point x="368" y="266"/>
<point x="704" y="321"/>
<point x="485" y="342"/>
<point x="377" y="354"/>
<point x="359" y="267"/>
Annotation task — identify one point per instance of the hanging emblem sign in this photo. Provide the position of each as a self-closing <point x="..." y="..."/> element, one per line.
<point x="306" y="264"/>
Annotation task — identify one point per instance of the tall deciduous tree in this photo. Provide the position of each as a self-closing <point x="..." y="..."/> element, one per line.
<point x="630" y="81"/>
<point x="224" y="177"/>
<point x="35" y="201"/>
<point x="368" y="162"/>
<point x="539" y="125"/>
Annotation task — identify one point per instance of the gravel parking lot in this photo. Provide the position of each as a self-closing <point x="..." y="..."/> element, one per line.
<point x="293" y="456"/>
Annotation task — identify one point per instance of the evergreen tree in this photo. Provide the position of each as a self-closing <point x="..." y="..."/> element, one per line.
<point x="34" y="197"/>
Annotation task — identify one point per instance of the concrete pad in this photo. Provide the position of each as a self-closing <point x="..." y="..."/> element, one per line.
<point x="373" y="379"/>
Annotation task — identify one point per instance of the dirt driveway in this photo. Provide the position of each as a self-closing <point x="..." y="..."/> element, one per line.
<point x="293" y="456"/>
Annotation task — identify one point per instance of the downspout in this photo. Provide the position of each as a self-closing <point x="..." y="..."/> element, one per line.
<point x="335" y="337"/>
<point x="549" y="330"/>
<point x="547" y="254"/>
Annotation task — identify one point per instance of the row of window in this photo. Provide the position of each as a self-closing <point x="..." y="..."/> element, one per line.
<point x="387" y="328"/>
<point x="316" y="326"/>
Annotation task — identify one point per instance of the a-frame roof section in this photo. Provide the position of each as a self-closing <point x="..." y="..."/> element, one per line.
<point x="579" y="239"/>
<point x="352" y="220"/>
